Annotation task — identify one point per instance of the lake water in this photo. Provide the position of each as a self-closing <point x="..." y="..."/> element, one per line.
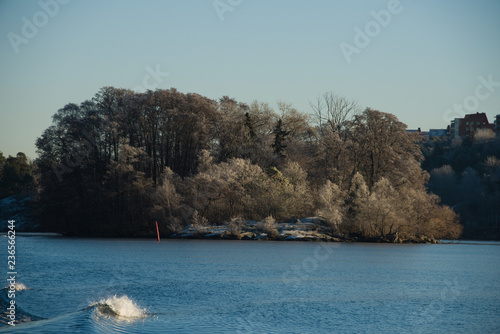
<point x="194" y="286"/>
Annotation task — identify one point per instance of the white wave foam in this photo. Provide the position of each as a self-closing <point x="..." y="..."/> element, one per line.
<point x="124" y="307"/>
<point x="18" y="287"/>
<point x="21" y="287"/>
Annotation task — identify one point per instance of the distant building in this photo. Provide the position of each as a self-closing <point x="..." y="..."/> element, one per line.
<point x="416" y="131"/>
<point x="465" y="127"/>
<point x="497" y="124"/>
<point x="424" y="134"/>
<point x="433" y="133"/>
<point x="454" y="126"/>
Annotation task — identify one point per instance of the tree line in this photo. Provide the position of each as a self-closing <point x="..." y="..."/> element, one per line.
<point x="114" y="164"/>
<point x="16" y="175"/>
<point x="466" y="175"/>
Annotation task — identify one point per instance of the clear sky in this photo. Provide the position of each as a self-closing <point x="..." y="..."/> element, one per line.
<point x="417" y="64"/>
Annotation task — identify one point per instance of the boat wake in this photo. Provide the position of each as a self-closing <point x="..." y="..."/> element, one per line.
<point x="21" y="316"/>
<point x="114" y="314"/>
<point x="120" y="307"/>
<point x="20" y="287"/>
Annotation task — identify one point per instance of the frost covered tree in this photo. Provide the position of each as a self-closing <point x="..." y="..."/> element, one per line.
<point x="268" y="225"/>
<point x="377" y="215"/>
<point x="331" y="200"/>
<point x="386" y="150"/>
<point x="227" y="189"/>
<point x="116" y="163"/>
<point x="233" y="130"/>
<point x="404" y="213"/>
<point x="335" y="149"/>
<point x="167" y="203"/>
<point x="482" y="136"/>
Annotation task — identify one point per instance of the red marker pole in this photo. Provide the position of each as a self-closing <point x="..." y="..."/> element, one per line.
<point x="157" y="232"/>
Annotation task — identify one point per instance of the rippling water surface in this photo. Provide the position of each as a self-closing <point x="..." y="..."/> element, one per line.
<point x="180" y="286"/>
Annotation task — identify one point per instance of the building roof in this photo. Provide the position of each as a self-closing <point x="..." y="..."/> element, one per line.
<point x="472" y="122"/>
<point x="477" y="117"/>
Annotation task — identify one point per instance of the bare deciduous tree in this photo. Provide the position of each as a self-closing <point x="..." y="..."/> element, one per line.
<point x="333" y="111"/>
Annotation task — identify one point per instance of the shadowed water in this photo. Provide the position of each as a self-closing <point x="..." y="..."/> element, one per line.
<point x="190" y="286"/>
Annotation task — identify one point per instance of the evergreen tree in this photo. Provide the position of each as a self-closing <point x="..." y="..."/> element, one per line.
<point x="280" y="136"/>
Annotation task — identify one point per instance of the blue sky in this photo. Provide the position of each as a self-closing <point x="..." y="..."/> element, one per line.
<point x="428" y="57"/>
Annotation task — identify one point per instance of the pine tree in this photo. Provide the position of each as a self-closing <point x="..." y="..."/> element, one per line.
<point x="280" y="136"/>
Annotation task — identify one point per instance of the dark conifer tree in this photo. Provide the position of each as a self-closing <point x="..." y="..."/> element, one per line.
<point x="280" y="136"/>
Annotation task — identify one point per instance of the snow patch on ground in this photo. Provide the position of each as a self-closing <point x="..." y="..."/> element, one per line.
<point x="310" y="229"/>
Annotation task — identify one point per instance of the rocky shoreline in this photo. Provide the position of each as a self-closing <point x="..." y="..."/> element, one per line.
<point x="307" y="229"/>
